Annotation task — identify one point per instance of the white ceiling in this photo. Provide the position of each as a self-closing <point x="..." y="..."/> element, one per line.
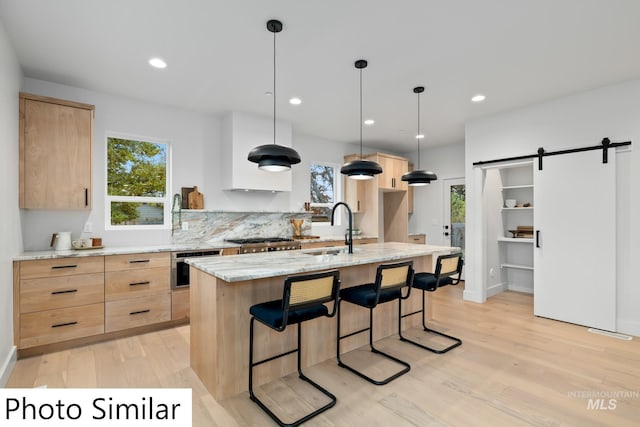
<point x="516" y="52"/>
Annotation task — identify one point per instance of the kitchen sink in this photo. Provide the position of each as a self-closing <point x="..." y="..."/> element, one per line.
<point x="329" y="251"/>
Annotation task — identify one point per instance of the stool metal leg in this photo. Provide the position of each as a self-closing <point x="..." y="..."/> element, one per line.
<point x="387" y="380"/>
<point x="457" y="341"/>
<point x="253" y="397"/>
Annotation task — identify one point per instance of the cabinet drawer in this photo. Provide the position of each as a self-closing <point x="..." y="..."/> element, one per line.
<point x="134" y="312"/>
<point x="417" y="238"/>
<point x="364" y="241"/>
<point x="61" y="267"/>
<point x="46" y="327"/>
<point x="137" y="283"/>
<point x="59" y="292"/>
<point x="137" y="261"/>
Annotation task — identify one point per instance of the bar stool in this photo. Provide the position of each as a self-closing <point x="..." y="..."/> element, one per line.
<point x="390" y="279"/>
<point x="303" y="299"/>
<point x="446" y="267"/>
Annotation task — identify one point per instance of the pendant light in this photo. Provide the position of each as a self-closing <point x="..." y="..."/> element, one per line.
<point x="274" y="157"/>
<point x="419" y="177"/>
<point x="361" y="169"/>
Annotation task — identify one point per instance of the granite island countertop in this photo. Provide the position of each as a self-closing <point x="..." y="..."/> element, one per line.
<point x="301" y="239"/>
<point x="270" y="264"/>
<point x="122" y="250"/>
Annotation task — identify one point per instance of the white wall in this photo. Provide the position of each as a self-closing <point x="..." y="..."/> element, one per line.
<point x="196" y="141"/>
<point x="446" y="162"/>
<point x="574" y="121"/>
<point x="11" y="241"/>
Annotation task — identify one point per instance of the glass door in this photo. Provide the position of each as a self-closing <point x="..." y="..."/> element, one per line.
<point x="454" y="213"/>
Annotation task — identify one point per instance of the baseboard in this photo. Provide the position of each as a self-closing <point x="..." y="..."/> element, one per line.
<point x="629" y="327"/>
<point x="518" y="288"/>
<point x="468" y="295"/>
<point x="496" y="289"/>
<point x="7" y="366"/>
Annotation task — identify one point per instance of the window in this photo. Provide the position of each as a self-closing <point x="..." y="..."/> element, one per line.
<point x="325" y="191"/>
<point x="137" y="182"/>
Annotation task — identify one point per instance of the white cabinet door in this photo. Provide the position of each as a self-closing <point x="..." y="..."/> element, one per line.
<point x="574" y="254"/>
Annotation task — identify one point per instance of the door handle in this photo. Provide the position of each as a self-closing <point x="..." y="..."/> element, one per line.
<point x="537" y="238"/>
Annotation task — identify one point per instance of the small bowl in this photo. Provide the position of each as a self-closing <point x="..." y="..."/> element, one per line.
<point x="510" y="203"/>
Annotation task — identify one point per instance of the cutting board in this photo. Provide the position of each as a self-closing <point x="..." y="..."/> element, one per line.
<point x="196" y="199"/>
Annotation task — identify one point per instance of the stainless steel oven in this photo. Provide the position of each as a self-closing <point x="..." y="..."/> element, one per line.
<point x="180" y="269"/>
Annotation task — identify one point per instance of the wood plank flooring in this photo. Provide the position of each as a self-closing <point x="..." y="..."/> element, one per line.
<point x="512" y="369"/>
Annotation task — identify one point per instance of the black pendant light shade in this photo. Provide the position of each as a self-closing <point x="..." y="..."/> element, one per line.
<point x="274" y="157"/>
<point x="418" y="178"/>
<point x="361" y="169"/>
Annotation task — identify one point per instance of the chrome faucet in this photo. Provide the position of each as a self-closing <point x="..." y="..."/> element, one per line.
<point x="348" y="238"/>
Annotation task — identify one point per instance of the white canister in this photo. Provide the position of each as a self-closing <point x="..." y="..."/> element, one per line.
<point x="61" y="241"/>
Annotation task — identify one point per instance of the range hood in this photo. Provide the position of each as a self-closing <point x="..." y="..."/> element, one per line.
<point x="240" y="133"/>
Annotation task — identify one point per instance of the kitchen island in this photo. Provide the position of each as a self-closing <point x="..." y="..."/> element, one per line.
<point x="223" y="289"/>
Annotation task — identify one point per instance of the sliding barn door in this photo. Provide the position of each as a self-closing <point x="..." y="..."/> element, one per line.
<point x="574" y="253"/>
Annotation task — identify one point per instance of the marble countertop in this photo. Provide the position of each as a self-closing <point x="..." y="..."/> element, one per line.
<point x="334" y="238"/>
<point x="270" y="264"/>
<point x="121" y="250"/>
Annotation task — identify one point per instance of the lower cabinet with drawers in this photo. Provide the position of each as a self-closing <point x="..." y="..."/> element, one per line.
<point x="137" y="290"/>
<point x="62" y="299"/>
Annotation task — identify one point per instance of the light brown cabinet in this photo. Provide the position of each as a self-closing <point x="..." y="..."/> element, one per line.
<point x="420" y="239"/>
<point x="393" y="167"/>
<point x="63" y="299"/>
<point x="410" y="192"/>
<point x="137" y="290"/>
<point x="57" y="300"/>
<point x="382" y="201"/>
<point x="56" y="139"/>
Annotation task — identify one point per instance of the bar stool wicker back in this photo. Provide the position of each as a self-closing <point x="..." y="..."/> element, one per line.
<point x="303" y="299"/>
<point x="448" y="272"/>
<point x="389" y="284"/>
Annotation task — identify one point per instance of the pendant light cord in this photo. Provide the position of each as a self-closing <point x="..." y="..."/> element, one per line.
<point x="418" y="132"/>
<point x="361" y="113"/>
<point x="274" y="87"/>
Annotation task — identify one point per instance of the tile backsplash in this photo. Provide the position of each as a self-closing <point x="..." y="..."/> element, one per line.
<point x="213" y="226"/>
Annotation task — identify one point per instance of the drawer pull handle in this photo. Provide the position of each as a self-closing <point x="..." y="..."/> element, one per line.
<point x="139" y="312"/>
<point x="138" y="261"/>
<point x="55" y="267"/>
<point x="59" y="325"/>
<point x="70" y="291"/>
<point x="139" y="283"/>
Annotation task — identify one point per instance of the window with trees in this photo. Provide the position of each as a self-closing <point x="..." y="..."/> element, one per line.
<point x="137" y="183"/>
<point x="325" y="191"/>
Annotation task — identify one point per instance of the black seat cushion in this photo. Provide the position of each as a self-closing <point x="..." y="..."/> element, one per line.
<point x="365" y="295"/>
<point x="427" y="281"/>
<point x="271" y="313"/>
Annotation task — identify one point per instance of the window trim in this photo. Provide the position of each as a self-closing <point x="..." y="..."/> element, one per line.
<point x="337" y="192"/>
<point x="166" y="211"/>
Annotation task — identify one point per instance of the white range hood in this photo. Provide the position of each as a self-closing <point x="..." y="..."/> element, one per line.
<point x="241" y="132"/>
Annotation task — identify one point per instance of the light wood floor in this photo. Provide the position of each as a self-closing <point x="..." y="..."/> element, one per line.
<point x="512" y="369"/>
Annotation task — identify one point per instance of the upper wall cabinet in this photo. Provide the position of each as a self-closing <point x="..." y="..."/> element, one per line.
<point x="393" y="167"/>
<point x="241" y="133"/>
<point x="56" y="139"/>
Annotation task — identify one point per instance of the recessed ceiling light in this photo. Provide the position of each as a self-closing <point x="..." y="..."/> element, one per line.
<point x="478" y="98"/>
<point x="369" y="122"/>
<point x="295" y="101"/>
<point x="157" y="63"/>
<point x="419" y="136"/>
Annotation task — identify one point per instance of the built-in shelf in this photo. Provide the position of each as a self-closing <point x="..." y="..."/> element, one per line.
<point x="514" y="239"/>
<point x="518" y="266"/>
<point x="518" y="209"/>
<point x="512" y="187"/>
